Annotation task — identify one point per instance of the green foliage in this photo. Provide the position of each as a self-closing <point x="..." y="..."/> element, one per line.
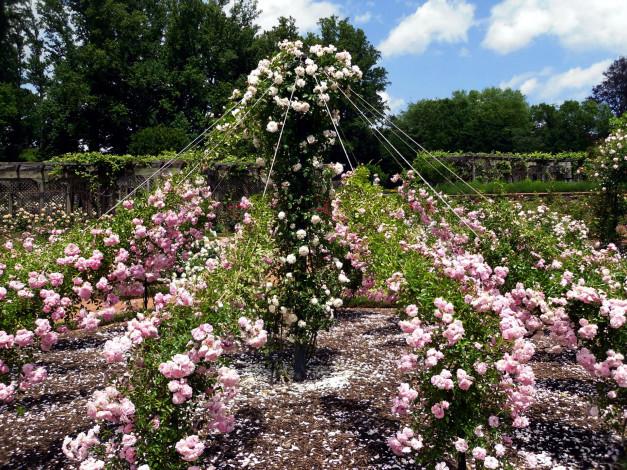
<point x="267" y="41"/>
<point x="18" y="113"/>
<point x="120" y="76"/>
<point x="120" y="67"/>
<point x="613" y="89"/>
<point x="19" y="107"/>
<point x="155" y="140"/>
<point x="490" y="120"/>
<point x="525" y="186"/>
<point x="29" y="155"/>
<point x="570" y="126"/>
<point x="501" y="121"/>
<point x="359" y="140"/>
<point x="434" y="172"/>
<point x="377" y="172"/>
<point x="619" y="122"/>
<point x="98" y="169"/>
<point x="526" y="155"/>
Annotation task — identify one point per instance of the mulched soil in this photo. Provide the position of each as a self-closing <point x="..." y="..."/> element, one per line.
<point x="337" y="419"/>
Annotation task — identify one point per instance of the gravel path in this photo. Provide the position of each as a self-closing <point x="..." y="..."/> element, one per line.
<point x="338" y="419"/>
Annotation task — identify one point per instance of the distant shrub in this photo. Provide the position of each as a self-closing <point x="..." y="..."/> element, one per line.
<point x="154" y="140"/>
<point x="434" y="171"/>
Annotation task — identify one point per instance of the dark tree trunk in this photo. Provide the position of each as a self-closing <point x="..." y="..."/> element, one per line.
<point x="145" y="295"/>
<point x="461" y="461"/>
<point x="300" y="363"/>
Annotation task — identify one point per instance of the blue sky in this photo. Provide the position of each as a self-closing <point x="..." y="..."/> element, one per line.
<point x="552" y="50"/>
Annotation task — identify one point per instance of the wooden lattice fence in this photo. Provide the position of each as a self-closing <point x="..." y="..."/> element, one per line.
<point x="41" y="187"/>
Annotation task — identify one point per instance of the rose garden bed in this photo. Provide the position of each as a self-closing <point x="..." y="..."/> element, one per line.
<point x="337" y="419"/>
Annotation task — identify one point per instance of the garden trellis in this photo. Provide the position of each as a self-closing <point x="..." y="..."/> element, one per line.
<point x="469" y="291"/>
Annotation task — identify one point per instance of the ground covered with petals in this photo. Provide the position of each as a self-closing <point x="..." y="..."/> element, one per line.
<point x="337" y="419"/>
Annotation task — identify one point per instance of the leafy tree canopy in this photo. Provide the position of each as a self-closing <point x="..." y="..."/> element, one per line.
<point x="613" y="89"/>
<point x="496" y="120"/>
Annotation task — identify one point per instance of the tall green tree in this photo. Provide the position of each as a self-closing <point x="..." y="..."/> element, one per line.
<point x="18" y="105"/>
<point x="108" y="80"/>
<point x="581" y="124"/>
<point x="123" y="66"/>
<point x="572" y="126"/>
<point x="502" y="120"/>
<point x="266" y="42"/>
<point x="442" y="124"/>
<point x="613" y="89"/>
<point x="474" y="121"/>
<point x="206" y="52"/>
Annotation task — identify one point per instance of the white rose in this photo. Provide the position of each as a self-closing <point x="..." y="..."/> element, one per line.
<point x="301" y="234"/>
<point x="272" y="308"/>
<point x="303" y="251"/>
<point x="302" y="323"/>
<point x="337" y="303"/>
<point x="292" y="318"/>
<point x="291" y="259"/>
<point x="315" y="219"/>
<point x="343" y="278"/>
<point x="297" y="167"/>
<point x="281" y="215"/>
<point x="272" y="127"/>
<point x="314" y="301"/>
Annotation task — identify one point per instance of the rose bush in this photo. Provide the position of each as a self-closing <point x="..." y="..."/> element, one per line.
<point x="293" y="129"/>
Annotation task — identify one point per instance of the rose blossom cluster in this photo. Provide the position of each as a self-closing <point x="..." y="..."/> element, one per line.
<point x="159" y="238"/>
<point x="513" y="315"/>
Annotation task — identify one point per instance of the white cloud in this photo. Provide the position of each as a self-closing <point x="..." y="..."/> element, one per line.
<point x="392" y="103"/>
<point x="575" y="83"/>
<point x="464" y="52"/>
<point x="436" y="20"/>
<point x="365" y="18"/>
<point x="517" y="80"/>
<point x="306" y="12"/>
<point x="529" y="86"/>
<point x="574" y="80"/>
<point x="579" y="24"/>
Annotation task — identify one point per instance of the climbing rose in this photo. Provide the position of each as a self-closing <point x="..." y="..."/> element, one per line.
<point x="190" y="448"/>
